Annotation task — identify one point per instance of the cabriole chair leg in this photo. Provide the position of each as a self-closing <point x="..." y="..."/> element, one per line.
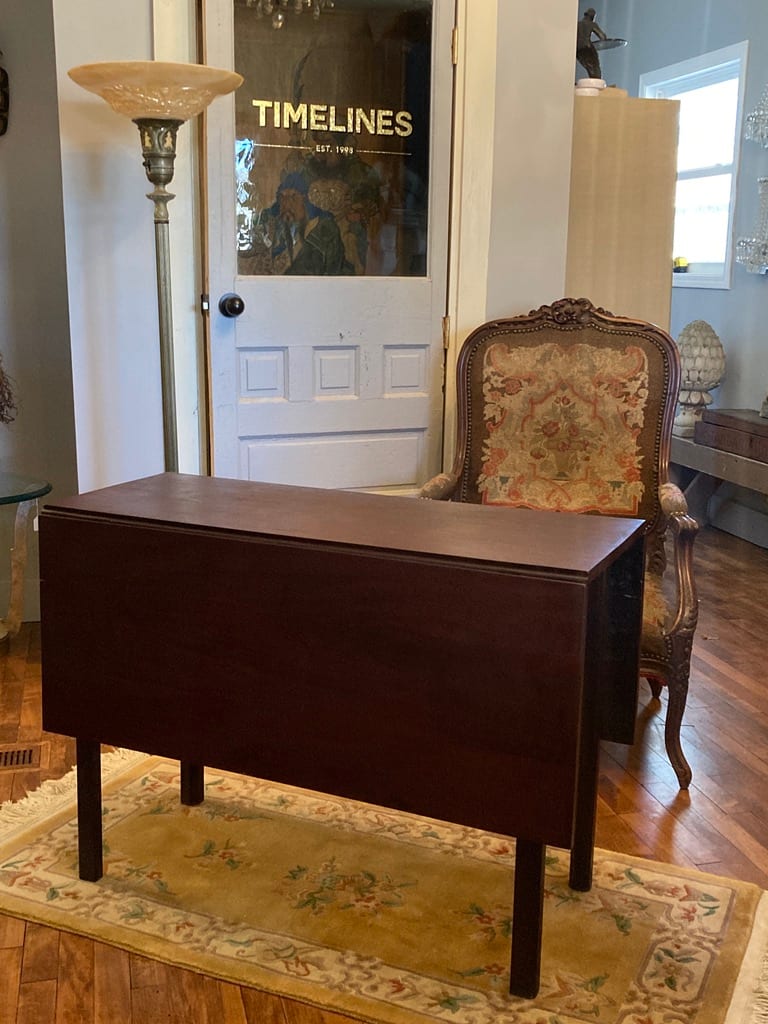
<point x="677" y="696"/>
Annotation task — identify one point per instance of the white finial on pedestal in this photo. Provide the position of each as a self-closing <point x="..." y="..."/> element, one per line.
<point x="703" y="367"/>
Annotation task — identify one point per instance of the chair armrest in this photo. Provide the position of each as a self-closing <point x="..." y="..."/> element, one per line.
<point x="672" y="500"/>
<point x="440" y="487"/>
<point x="684" y="528"/>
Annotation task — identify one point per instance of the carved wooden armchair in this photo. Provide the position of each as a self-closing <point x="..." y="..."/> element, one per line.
<point x="570" y="408"/>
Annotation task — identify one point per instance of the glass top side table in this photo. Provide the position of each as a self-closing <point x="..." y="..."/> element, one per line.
<point x="22" y="491"/>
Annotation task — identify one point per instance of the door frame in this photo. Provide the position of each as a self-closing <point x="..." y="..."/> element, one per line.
<point x="178" y="35"/>
<point x="469" y="231"/>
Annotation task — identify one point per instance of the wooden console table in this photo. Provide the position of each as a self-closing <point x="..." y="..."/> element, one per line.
<point x="710" y="467"/>
<point x="450" y="660"/>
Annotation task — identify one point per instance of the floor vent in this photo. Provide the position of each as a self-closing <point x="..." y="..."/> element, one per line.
<point x="13" y="758"/>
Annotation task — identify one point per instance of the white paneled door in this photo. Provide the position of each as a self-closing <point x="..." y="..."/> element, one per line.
<point x="327" y="196"/>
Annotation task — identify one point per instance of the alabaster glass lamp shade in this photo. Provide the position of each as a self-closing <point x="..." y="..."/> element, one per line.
<point x="155" y="89"/>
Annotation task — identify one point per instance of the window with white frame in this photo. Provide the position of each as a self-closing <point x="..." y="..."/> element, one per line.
<point x="710" y="89"/>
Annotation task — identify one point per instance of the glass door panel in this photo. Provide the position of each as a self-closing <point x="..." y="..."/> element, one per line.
<point x="332" y="132"/>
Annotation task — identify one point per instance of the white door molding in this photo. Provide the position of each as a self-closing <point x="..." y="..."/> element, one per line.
<point x="474" y="125"/>
<point x="174" y="26"/>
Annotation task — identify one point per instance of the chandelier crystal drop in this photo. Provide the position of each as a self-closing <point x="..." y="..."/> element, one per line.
<point x="752" y="253"/>
<point x="276" y="10"/>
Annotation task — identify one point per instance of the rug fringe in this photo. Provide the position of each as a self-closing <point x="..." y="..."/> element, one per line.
<point x="749" y="1004"/>
<point x="760" y="1007"/>
<point x="55" y="792"/>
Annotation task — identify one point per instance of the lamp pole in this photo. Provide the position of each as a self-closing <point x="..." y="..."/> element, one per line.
<point x="158" y="147"/>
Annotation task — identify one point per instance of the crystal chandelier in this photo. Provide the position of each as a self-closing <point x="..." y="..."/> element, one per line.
<point x="752" y="253"/>
<point x="756" y="123"/>
<point x="277" y="9"/>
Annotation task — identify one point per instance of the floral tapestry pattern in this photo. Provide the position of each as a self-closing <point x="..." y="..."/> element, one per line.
<point x="562" y="426"/>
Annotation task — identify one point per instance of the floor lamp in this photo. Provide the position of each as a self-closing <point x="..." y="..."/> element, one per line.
<point x="159" y="97"/>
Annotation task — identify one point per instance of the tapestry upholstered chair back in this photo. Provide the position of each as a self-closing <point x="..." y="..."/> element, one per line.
<point x="570" y="409"/>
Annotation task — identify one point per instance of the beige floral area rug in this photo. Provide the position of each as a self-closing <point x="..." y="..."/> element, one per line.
<point x="385" y="916"/>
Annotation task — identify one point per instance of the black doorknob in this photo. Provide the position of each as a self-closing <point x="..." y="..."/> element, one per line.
<point x="231" y="305"/>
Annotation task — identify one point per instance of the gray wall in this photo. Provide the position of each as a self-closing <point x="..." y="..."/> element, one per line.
<point x="662" y="32"/>
<point x="34" y="320"/>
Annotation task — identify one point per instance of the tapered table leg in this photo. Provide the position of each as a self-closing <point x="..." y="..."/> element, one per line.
<point x="192" y="786"/>
<point x="527" y="919"/>
<point x="89" y="838"/>
<point x="583" y="850"/>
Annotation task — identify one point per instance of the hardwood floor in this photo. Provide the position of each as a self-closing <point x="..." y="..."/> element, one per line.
<point x="720" y="825"/>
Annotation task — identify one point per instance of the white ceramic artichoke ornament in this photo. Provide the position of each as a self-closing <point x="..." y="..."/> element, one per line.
<point x="703" y="368"/>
